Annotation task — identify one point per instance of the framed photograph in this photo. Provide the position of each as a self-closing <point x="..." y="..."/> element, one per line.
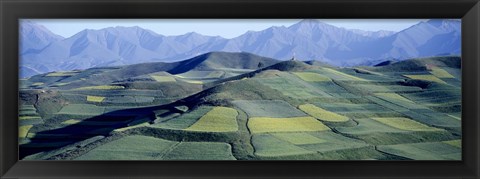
<point x="240" y="89"/>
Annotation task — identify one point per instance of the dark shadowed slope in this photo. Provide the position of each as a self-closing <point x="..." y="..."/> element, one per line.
<point x="221" y="60"/>
<point x="421" y="64"/>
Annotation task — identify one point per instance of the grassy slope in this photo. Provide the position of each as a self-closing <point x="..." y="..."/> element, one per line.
<point x="271" y="92"/>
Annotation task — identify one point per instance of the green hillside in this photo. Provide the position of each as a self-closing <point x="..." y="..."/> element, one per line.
<point x="239" y="106"/>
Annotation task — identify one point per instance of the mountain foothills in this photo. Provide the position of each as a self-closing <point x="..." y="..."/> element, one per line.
<point x="42" y="51"/>
<point x="240" y="106"/>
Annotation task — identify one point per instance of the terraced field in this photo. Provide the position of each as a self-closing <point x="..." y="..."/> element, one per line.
<point x="294" y="124"/>
<point x="219" y="119"/>
<point x="322" y="114"/>
<point x="310" y="145"/>
<point x="149" y="148"/>
<point x="424" y="151"/>
<point x="212" y="108"/>
<point x="268" y="108"/>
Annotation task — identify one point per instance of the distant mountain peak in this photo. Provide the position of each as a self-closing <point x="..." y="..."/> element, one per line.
<point x="445" y="24"/>
<point x="310" y="24"/>
<point x="34" y="37"/>
<point x="374" y="34"/>
<point x="192" y="33"/>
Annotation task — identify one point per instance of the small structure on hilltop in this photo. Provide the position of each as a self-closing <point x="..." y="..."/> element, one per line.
<point x="293" y="57"/>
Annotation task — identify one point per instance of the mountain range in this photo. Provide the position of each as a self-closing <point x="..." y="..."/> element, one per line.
<point x="43" y="51"/>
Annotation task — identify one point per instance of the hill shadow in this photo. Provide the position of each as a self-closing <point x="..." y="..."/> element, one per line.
<point x="101" y="125"/>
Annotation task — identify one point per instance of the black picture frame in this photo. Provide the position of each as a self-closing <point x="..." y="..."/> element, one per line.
<point x="12" y="10"/>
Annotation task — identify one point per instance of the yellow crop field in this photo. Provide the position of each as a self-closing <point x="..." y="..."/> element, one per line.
<point x="132" y="127"/>
<point x="215" y="74"/>
<point x="322" y="114"/>
<point x="163" y="78"/>
<point x="219" y="119"/>
<point x="456" y="143"/>
<point x="441" y="73"/>
<point x="101" y="87"/>
<point x="95" y="98"/>
<point x="425" y="78"/>
<point x="23" y="130"/>
<point x="293" y="124"/>
<point x="31" y="135"/>
<point x="62" y="73"/>
<point x="27" y="117"/>
<point x="309" y="76"/>
<point x="455" y="117"/>
<point x="299" y="138"/>
<point x="194" y="81"/>
<point x="393" y="96"/>
<point x="71" y="121"/>
<point x="344" y="74"/>
<point x="405" y="124"/>
<point x="62" y="84"/>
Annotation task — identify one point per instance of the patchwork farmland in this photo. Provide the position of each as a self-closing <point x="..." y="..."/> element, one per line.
<point x="239" y="106"/>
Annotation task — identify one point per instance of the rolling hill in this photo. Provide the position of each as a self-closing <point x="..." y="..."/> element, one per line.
<point x="213" y="107"/>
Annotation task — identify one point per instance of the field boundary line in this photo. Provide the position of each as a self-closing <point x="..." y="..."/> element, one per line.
<point x="169" y="150"/>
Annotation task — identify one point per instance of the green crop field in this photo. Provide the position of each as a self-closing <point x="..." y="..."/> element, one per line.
<point x="351" y="107"/>
<point x="219" y="119"/>
<point x="299" y="138"/>
<point x="441" y="73"/>
<point x="343" y="76"/>
<point x="426" y="78"/>
<point x="149" y="148"/>
<point x="63" y="73"/>
<point x="393" y="97"/>
<point x="101" y="87"/>
<point x="312" y="77"/>
<point x="367" y="126"/>
<point x="424" y="151"/>
<point x="130" y="148"/>
<point x="405" y="124"/>
<point x="456" y="143"/>
<point x="322" y="114"/>
<point x="293" y="124"/>
<point x="267" y="145"/>
<point x="163" y="78"/>
<point x="320" y="145"/>
<point x="200" y="151"/>
<point x="383" y="88"/>
<point x="268" y="108"/>
<point x="87" y="109"/>
<point x="289" y="85"/>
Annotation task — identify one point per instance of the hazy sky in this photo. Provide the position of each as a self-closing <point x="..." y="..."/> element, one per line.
<point x="227" y="28"/>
